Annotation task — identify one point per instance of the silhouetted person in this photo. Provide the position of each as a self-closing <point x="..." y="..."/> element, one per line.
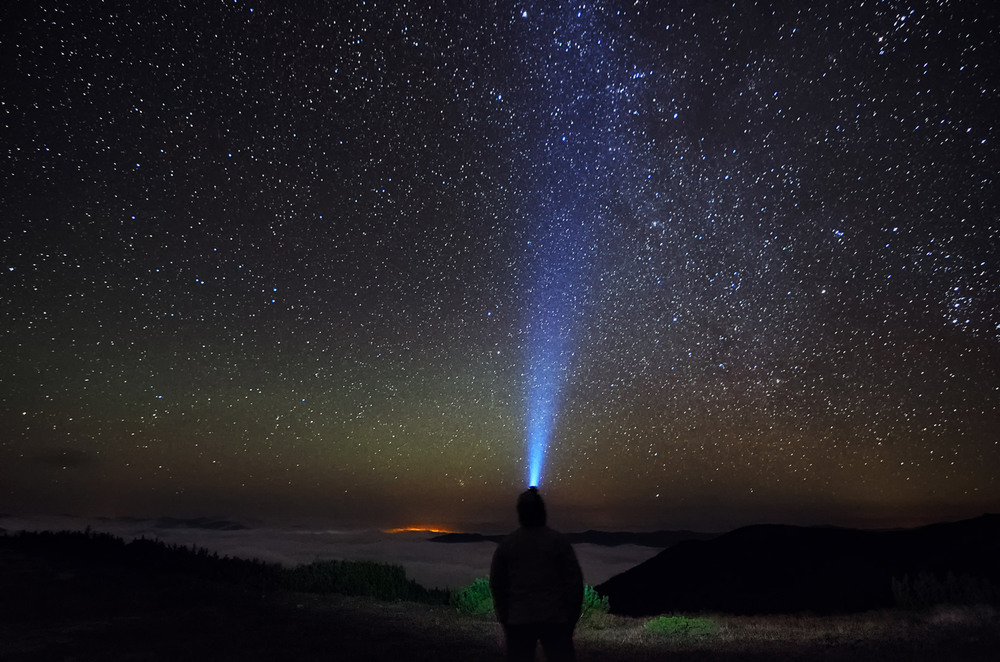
<point x="537" y="586"/>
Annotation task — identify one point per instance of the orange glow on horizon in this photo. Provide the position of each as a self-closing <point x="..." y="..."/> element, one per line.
<point x="419" y="529"/>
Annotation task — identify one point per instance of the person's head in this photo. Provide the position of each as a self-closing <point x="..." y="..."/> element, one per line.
<point x="531" y="508"/>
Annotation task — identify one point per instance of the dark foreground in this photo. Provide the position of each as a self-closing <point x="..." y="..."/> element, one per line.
<point x="68" y="612"/>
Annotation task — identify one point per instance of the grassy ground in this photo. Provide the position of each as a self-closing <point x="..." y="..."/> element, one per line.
<point x="944" y="633"/>
<point x="68" y="613"/>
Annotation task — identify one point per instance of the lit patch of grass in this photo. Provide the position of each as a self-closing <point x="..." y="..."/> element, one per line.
<point x="681" y="626"/>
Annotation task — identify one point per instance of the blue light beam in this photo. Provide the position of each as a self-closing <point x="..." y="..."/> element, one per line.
<point x="546" y="378"/>
<point x="580" y="145"/>
<point x="549" y="353"/>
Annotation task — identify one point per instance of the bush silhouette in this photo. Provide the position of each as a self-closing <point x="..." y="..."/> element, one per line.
<point x="167" y="563"/>
<point x="378" y="580"/>
<point x="927" y="590"/>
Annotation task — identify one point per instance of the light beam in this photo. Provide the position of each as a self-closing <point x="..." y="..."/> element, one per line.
<point x="549" y="335"/>
<point x="545" y="383"/>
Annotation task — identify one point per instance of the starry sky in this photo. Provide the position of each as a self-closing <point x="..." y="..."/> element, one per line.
<point x="738" y="261"/>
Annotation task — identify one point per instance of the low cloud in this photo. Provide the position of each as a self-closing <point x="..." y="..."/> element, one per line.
<point x="431" y="564"/>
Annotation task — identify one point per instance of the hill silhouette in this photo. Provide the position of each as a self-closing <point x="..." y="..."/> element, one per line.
<point x="782" y="569"/>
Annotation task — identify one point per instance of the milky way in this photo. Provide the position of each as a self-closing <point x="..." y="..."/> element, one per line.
<point x="272" y="260"/>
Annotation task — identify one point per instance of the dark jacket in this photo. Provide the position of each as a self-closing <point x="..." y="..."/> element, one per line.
<point x="535" y="578"/>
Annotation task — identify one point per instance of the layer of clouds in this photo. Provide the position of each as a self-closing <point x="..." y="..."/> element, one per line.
<point x="431" y="564"/>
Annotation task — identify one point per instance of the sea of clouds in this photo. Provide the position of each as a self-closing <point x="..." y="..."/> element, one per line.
<point x="431" y="564"/>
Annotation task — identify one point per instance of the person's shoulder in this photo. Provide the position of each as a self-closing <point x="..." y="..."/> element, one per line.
<point x="534" y="533"/>
<point x="511" y="538"/>
<point x="561" y="538"/>
<point x="552" y="533"/>
<point x="559" y="541"/>
<point x="551" y="537"/>
<point x="526" y="533"/>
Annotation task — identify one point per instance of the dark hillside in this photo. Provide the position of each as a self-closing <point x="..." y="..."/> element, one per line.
<point x="778" y="568"/>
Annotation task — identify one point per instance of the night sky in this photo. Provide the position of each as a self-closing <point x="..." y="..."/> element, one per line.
<point x="724" y="263"/>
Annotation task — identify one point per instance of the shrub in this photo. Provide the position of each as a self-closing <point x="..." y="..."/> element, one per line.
<point x="680" y="626"/>
<point x="593" y="604"/>
<point x="474" y="599"/>
<point x="367" y="578"/>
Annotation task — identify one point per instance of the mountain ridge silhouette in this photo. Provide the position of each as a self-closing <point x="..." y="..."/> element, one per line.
<point x="777" y="568"/>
